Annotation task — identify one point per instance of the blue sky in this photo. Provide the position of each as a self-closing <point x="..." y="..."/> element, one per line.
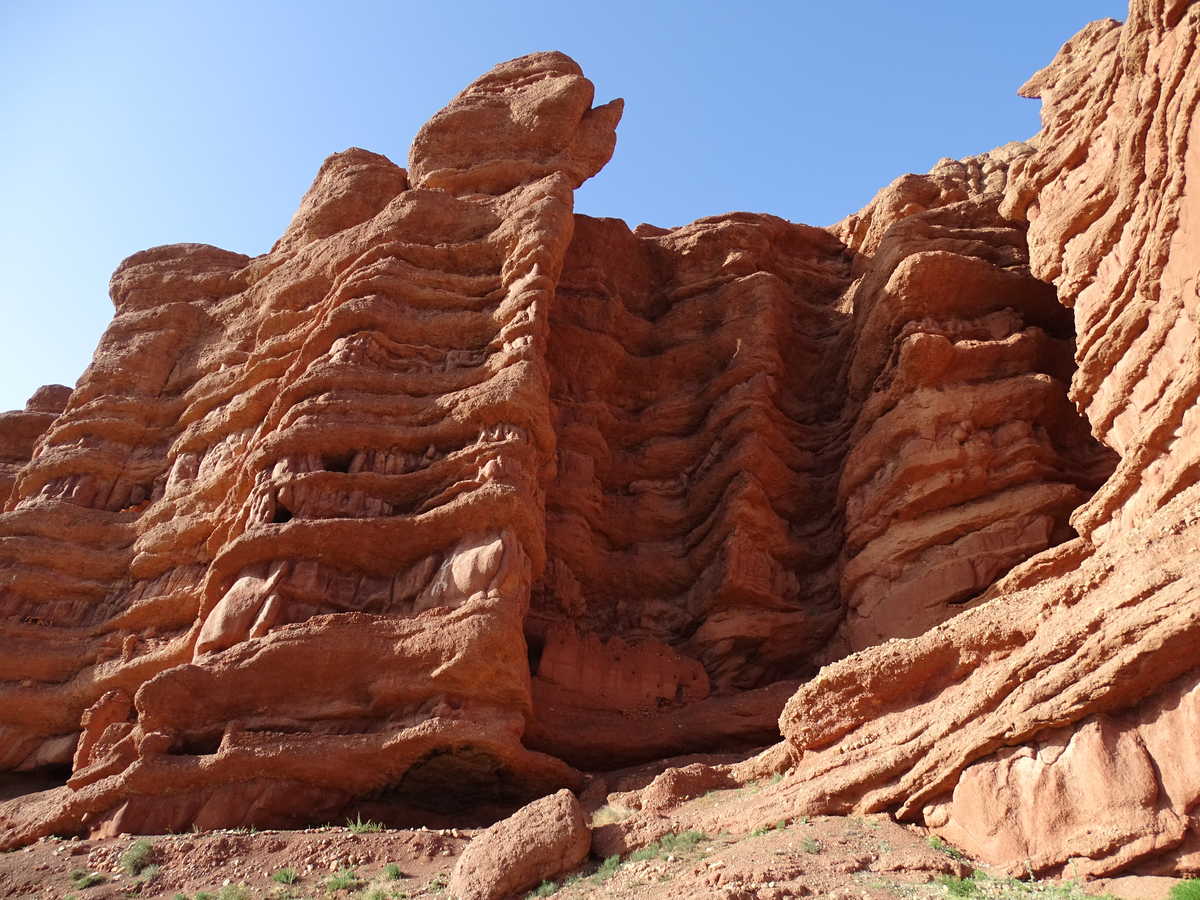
<point x="134" y="124"/>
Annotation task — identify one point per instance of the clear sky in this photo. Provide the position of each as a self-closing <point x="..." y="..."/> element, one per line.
<point x="127" y="125"/>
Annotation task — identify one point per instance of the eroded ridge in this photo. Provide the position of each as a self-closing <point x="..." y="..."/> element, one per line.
<point x="302" y="491"/>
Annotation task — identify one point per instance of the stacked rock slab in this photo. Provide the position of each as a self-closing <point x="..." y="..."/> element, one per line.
<point x="453" y="487"/>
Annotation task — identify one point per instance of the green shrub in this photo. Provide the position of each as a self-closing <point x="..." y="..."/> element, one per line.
<point x="286" y="876"/>
<point x="811" y="845"/>
<point x="233" y="892"/>
<point x="1188" y="889"/>
<point x="393" y="871"/>
<point x="545" y="889"/>
<point x="139" y="855"/>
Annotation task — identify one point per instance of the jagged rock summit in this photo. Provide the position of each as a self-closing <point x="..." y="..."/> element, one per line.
<point x="456" y="498"/>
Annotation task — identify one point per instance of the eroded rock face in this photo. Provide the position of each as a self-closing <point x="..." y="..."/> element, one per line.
<point x="456" y="493"/>
<point x="1054" y="723"/>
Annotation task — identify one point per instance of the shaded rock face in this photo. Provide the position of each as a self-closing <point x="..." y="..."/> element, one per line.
<point x="454" y="493"/>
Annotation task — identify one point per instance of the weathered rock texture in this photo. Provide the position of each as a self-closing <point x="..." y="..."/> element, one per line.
<point x="1056" y="722"/>
<point x="454" y="493"/>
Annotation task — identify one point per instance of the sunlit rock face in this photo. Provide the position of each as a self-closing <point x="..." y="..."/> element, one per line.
<point x="1053" y="726"/>
<point x="455" y="494"/>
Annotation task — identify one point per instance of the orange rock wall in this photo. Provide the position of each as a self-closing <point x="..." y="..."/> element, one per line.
<point x="456" y="491"/>
<point x="1053" y="726"/>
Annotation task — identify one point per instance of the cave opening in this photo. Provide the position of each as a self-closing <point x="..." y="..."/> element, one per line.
<point x="450" y="787"/>
<point x="33" y="781"/>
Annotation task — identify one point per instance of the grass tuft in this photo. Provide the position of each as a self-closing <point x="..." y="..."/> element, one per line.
<point x="672" y="843"/>
<point x="545" y="889"/>
<point x="345" y="880"/>
<point x="84" y="879"/>
<point x="286" y="876"/>
<point x="139" y="856"/>
<point x="607" y="869"/>
<point x="359" y="826"/>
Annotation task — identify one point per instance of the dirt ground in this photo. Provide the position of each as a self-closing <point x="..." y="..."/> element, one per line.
<point x="839" y="858"/>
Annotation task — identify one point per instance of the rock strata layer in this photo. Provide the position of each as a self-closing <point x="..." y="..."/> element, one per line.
<point x="454" y="493"/>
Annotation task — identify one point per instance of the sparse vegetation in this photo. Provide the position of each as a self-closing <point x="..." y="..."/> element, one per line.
<point x="958" y="887"/>
<point x="545" y="889"/>
<point x="138" y="857"/>
<point x="83" y="879"/>
<point x="359" y="826"/>
<point x="669" y="844"/>
<point x="767" y="829"/>
<point x="811" y="845"/>
<point x="607" y="869"/>
<point x="1188" y="889"/>
<point x="234" y="892"/>
<point x="393" y="871"/>
<point x="286" y="876"/>
<point x="981" y="887"/>
<point x="344" y="880"/>
<point x="438" y="883"/>
<point x="942" y="847"/>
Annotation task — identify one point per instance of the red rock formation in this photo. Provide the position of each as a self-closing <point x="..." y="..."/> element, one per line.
<point x="290" y="521"/>
<point x="456" y="492"/>
<point x="1053" y="725"/>
<point x="20" y="429"/>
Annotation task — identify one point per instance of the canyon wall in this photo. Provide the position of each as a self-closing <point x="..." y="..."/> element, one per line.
<point x="457" y="494"/>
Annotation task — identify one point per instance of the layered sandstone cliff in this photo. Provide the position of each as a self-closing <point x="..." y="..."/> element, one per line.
<point x="454" y="494"/>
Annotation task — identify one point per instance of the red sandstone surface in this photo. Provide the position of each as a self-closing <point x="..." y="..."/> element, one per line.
<point x="455" y="498"/>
